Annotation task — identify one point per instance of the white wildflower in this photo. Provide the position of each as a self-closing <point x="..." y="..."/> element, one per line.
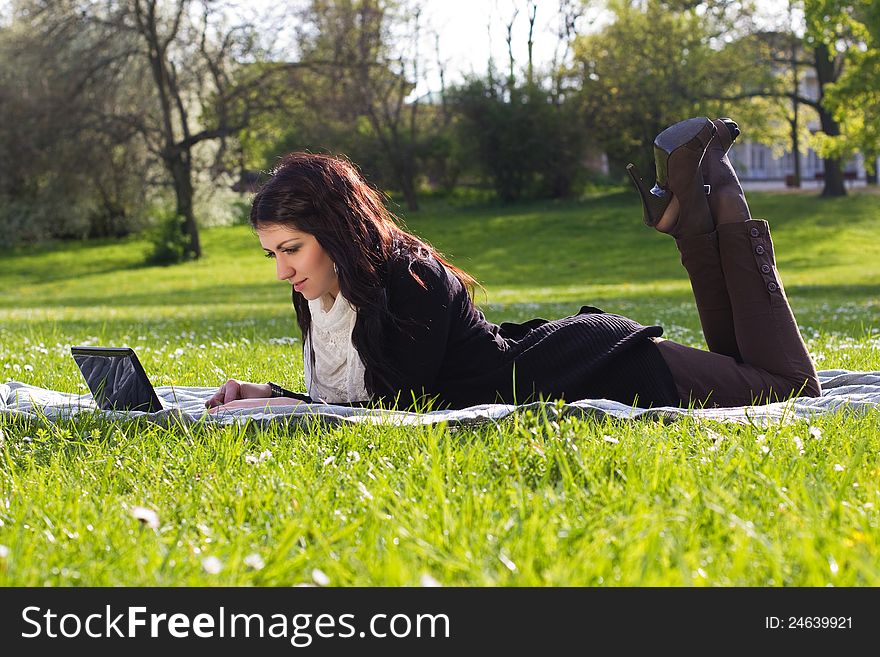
<point x="799" y="444"/>
<point x="254" y="561"/>
<point x="320" y="577"/>
<point x="147" y="516"/>
<point x="507" y="562"/>
<point x="717" y="439"/>
<point x="610" y="439"/>
<point x="329" y="460"/>
<point x="838" y="467"/>
<point x="816" y="432"/>
<point x="364" y="492"/>
<point x="4" y="552"/>
<point x="262" y="458"/>
<point x="212" y="565"/>
<point x="428" y="581"/>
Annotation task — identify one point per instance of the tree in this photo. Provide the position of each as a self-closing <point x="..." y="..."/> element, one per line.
<point x="838" y="46"/>
<point x="185" y="54"/>
<point x="780" y="97"/>
<point x="358" y="49"/>
<point x="848" y="33"/>
<point x="524" y="135"/>
<point x="656" y="63"/>
<point x="61" y="173"/>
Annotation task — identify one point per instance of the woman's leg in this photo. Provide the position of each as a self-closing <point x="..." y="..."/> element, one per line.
<point x="701" y="258"/>
<point x="774" y="360"/>
<point x="700" y="254"/>
<point x="757" y="353"/>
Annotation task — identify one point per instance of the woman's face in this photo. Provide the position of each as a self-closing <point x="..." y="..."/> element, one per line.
<point x="301" y="260"/>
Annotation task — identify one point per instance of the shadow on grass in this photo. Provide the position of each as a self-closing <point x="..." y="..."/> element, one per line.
<point x="271" y="292"/>
<point x="271" y="319"/>
<point x="62" y="262"/>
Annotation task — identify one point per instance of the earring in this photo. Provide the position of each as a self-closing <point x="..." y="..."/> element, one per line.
<point x="335" y="270"/>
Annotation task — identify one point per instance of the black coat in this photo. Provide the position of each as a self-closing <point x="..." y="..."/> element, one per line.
<point x="445" y="349"/>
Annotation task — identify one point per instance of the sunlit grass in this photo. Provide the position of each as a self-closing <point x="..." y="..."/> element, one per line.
<point x="532" y="501"/>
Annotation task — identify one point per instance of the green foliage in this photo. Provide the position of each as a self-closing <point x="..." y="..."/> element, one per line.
<point x="167" y="240"/>
<point x="241" y="212"/>
<point x="851" y="30"/>
<point x="526" y="144"/>
<point x="64" y="174"/>
<point x="654" y="65"/>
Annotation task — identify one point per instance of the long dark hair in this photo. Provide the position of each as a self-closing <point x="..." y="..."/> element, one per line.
<point x="327" y="197"/>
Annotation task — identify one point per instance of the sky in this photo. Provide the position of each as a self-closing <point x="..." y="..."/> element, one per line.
<point x="470" y="30"/>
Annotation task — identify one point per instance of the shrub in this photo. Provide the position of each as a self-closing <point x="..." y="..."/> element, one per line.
<point x="167" y="240"/>
<point x="522" y="141"/>
<point x="241" y="213"/>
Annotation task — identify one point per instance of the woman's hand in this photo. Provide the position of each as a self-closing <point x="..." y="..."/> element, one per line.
<point x="234" y="390"/>
<point x="261" y="402"/>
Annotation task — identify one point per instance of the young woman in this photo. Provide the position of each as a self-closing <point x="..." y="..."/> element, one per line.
<point x="387" y="320"/>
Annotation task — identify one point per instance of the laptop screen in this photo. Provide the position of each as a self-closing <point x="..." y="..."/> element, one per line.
<point x="116" y="379"/>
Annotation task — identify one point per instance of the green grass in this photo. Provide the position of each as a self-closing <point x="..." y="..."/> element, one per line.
<point x="532" y="501"/>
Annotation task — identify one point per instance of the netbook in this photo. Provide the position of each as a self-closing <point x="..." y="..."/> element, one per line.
<point x="116" y="378"/>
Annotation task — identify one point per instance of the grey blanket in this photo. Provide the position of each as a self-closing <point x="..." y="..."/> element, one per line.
<point x="854" y="392"/>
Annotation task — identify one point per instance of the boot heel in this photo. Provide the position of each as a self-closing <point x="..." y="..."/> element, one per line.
<point x="654" y="200"/>
<point x="678" y="152"/>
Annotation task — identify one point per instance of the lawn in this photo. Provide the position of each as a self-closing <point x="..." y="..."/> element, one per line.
<point x="532" y="501"/>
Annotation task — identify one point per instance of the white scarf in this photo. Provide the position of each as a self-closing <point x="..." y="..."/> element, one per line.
<point x="334" y="371"/>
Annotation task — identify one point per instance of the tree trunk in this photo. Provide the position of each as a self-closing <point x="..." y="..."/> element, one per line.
<point x="795" y="151"/>
<point x="181" y="173"/>
<point x="795" y="107"/>
<point x="834" y="184"/>
<point x="871" y="173"/>
<point x="826" y="74"/>
<point x="404" y="167"/>
<point x="408" y="187"/>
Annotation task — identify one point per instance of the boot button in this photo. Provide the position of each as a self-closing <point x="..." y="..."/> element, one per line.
<point x="765" y="269"/>
<point x="759" y="250"/>
<point x="772" y="286"/>
<point x="754" y="232"/>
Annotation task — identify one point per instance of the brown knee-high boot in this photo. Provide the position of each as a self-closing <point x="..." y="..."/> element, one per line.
<point x="759" y="354"/>
<point x="775" y="363"/>
<point x="766" y="331"/>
